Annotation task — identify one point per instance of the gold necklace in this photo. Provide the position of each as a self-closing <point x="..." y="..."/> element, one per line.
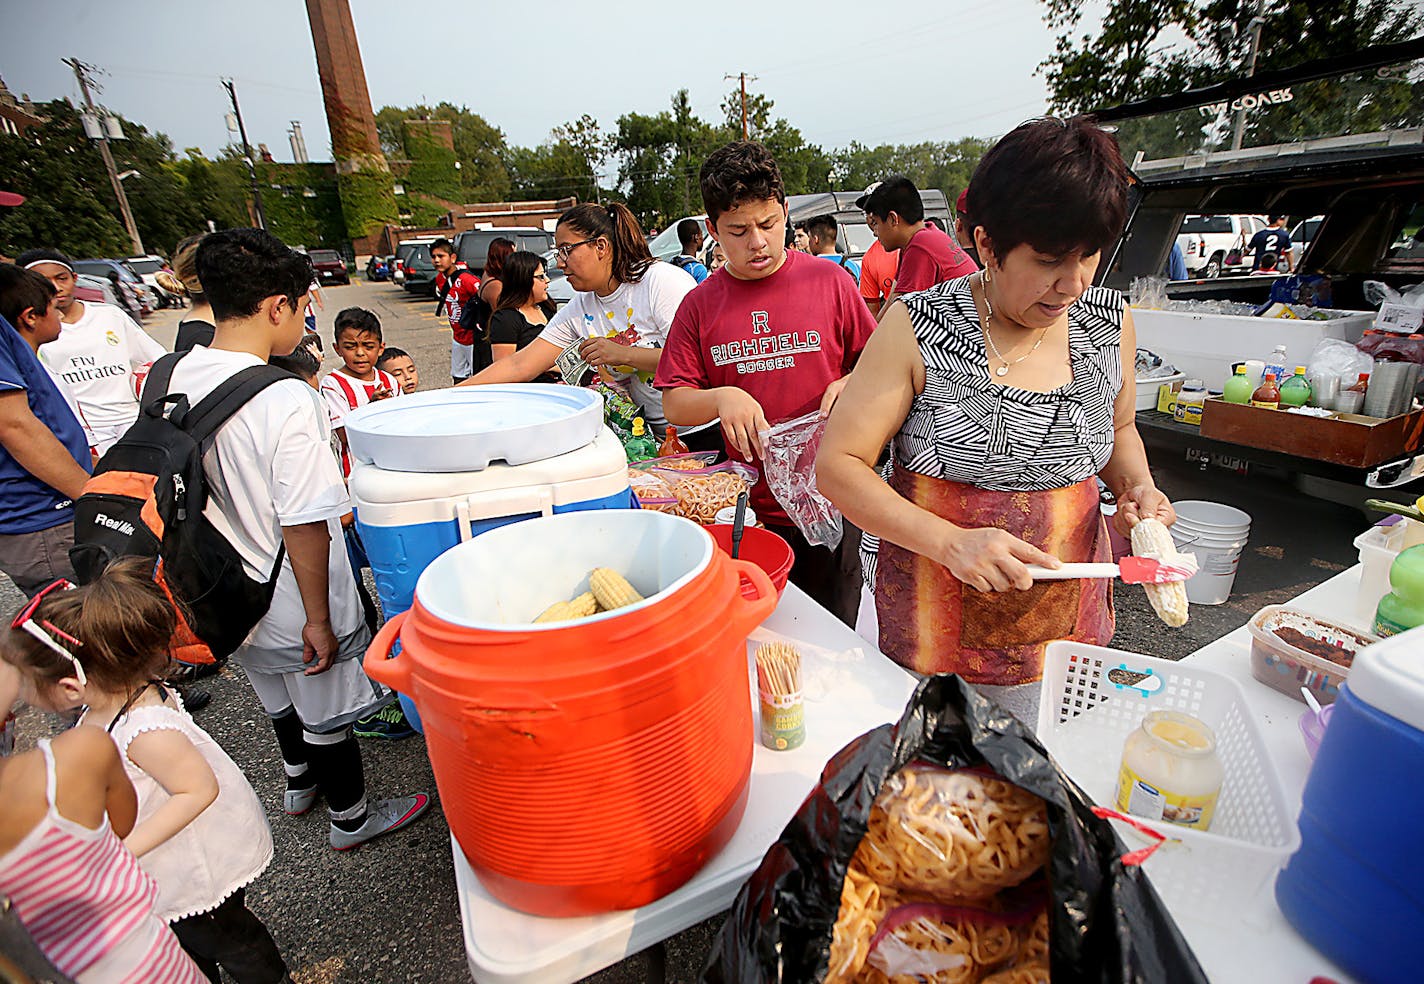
<point x="1006" y="365"/>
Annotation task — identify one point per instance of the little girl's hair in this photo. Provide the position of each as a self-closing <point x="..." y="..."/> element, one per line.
<point x="122" y="619"/>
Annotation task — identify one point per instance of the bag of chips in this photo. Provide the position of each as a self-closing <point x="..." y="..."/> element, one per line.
<point x="948" y="848"/>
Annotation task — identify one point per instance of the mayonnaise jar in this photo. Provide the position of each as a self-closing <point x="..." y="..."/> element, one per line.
<point x="1170" y="771"/>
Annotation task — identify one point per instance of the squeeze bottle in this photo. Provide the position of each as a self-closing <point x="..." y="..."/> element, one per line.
<point x="1295" y="392"/>
<point x="1403" y="607"/>
<point x="1238" y="388"/>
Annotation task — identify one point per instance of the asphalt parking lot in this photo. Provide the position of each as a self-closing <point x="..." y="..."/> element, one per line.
<point x="387" y="912"/>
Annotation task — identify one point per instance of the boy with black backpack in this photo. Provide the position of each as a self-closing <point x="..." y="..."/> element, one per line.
<point x="275" y="492"/>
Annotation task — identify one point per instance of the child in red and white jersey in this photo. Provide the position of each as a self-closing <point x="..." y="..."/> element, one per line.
<point x="358" y="381"/>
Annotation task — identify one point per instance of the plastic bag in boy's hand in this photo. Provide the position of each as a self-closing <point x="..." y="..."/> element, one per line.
<point x="789" y="464"/>
<point x="1104" y="923"/>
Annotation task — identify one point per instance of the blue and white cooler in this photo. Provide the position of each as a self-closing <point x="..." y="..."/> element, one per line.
<point x="432" y="470"/>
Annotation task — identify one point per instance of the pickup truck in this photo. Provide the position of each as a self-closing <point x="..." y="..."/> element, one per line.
<point x="1367" y="192"/>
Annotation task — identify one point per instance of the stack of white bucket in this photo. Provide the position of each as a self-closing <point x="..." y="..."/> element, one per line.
<point x="1217" y="534"/>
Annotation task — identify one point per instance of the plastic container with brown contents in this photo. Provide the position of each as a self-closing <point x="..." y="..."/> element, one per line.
<point x="1284" y="664"/>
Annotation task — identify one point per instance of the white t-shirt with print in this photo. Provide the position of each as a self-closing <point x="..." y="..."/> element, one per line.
<point x="647" y="306"/>
<point x="270" y="467"/>
<point x="96" y="357"/>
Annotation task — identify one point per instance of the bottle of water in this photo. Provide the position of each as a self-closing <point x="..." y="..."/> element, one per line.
<point x="1276" y="363"/>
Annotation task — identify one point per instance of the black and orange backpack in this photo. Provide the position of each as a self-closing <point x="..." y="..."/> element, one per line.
<point x="146" y="499"/>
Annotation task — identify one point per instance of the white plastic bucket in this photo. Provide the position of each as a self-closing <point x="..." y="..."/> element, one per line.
<point x="1217" y="534"/>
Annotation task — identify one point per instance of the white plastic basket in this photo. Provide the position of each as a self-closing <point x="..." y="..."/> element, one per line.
<point x="1092" y="698"/>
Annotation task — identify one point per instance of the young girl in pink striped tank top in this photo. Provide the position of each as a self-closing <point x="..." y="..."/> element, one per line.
<point x="201" y="834"/>
<point x="81" y="895"/>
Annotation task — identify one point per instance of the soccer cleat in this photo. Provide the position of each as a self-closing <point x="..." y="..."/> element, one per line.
<point x="298" y="801"/>
<point x="389" y="722"/>
<point x="382" y="817"/>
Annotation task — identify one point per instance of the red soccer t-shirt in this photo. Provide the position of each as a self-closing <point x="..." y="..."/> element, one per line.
<point x="877" y="272"/>
<point x="929" y="258"/>
<point x="783" y="339"/>
<point x="465" y="287"/>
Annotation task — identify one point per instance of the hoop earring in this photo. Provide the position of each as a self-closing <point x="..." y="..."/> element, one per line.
<point x="987" y="277"/>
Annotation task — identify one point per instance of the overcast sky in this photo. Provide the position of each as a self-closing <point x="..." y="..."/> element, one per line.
<point x="932" y="70"/>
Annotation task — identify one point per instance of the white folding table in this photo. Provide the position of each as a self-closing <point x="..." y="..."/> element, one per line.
<point x="509" y="947"/>
<point x="1250" y="944"/>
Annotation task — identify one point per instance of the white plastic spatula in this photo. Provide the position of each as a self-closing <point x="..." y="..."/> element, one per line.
<point x="1132" y="570"/>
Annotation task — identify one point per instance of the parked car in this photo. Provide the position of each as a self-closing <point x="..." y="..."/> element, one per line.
<point x="95" y="290"/>
<point x="1303" y="235"/>
<point x="1193" y="246"/>
<point x="419" y="270"/>
<point x="147" y="268"/>
<point x="560" y="290"/>
<point x="403" y="250"/>
<point x="472" y="247"/>
<point x="1220" y="239"/>
<point x="378" y="268"/>
<point x="145" y="299"/>
<point x="330" y="267"/>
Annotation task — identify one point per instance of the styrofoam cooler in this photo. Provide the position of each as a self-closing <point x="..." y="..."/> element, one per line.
<point x="421" y="482"/>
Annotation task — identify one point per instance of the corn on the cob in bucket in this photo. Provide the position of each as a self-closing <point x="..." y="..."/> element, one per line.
<point x="611" y="589"/>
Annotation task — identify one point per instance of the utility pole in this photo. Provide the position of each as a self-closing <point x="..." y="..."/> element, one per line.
<point x="742" y="76"/>
<point x="81" y="73"/>
<point x="1257" y="22"/>
<point x="247" y="154"/>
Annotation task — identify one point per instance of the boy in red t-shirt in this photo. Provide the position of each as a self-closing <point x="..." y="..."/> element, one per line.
<point x="456" y="287"/>
<point x="769" y="337"/>
<point x="928" y="256"/>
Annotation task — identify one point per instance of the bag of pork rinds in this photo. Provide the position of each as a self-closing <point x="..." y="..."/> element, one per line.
<point x="948" y="848"/>
<point x="702" y="493"/>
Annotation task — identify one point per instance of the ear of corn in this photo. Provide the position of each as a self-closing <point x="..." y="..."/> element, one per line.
<point x="611" y="589"/>
<point x="562" y="611"/>
<point x="1151" y="539"/>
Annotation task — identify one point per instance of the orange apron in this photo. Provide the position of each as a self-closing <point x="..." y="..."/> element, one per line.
<point x="931" y="622"/>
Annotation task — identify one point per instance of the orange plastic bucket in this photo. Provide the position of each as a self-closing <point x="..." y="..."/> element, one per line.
<point x="591" y="765"/>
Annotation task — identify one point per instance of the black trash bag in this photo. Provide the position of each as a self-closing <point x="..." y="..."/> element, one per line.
<point x="1107" y="923"/>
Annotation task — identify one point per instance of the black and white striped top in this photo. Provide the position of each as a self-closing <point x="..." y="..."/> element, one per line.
<point x="965" y="428"/>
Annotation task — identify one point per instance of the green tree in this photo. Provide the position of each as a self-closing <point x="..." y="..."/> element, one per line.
<point x="480" y="147"/>
<point x="804" y="167"/>
<point x="218" y="189"/>
<point x="554" y="169"/>
<point x="944" y="165"/>
<point x="1145" y="49"/>
<point x="69" y="203"/>
<point x="659" y="157"/>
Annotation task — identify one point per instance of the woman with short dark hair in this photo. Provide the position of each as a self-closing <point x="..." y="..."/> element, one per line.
<point x="1002" y="396"/>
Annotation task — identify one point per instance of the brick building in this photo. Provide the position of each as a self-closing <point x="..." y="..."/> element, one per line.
<point x="16" y="115"/>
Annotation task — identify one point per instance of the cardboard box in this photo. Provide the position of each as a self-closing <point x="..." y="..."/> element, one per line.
<point x="1167" y="395"/>
<point x="1344" y="439"/>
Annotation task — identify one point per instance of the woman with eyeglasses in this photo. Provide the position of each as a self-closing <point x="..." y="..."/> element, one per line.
<point x="621" y="291"/>
<point x="523" y="310"/>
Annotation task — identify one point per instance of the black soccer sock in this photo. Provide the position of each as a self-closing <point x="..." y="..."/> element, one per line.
<point x="295" y="757"/>
<point x="336" y="760"/>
